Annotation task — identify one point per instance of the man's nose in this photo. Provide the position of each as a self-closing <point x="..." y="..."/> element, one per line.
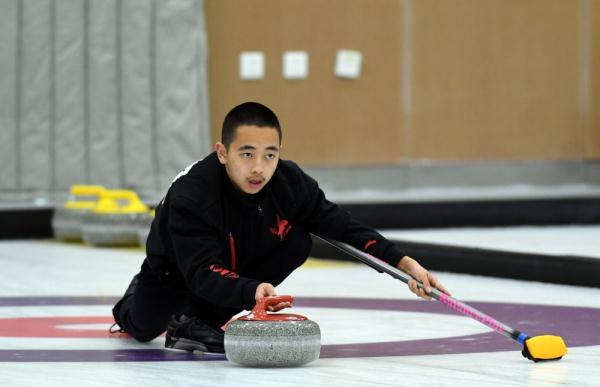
<point x="258" y="166"/>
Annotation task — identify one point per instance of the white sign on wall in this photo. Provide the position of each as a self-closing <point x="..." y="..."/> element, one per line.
<point x="252" y="65"/>
<point x="348" y="64"/>
<point x="295" y="64"/>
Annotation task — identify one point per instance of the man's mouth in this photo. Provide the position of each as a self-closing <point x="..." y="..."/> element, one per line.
<point x="255" y="182"/>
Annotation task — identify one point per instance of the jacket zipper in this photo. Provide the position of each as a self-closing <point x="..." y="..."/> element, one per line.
<point x="260" y="211"/>
<point x="232" y="251"/>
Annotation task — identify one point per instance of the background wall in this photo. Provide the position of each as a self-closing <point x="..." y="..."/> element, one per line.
<point x="592" y="44"/>
<point x="467" y="92"/>
<point x="110" y="92"/>
<point x="326" y="120"/>
<point x="449" y="81"/>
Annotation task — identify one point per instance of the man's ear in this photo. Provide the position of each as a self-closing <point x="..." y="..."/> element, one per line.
<point x="221" y="152"/>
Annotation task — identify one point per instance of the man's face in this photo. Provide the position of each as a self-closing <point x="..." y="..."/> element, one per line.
<point x="251" y="158"/>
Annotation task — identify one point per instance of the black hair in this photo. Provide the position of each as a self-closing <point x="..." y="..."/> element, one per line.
<point x="248" y="113"/>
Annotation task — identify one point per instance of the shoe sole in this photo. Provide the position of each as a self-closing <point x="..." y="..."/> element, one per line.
<point x="190" y="345"/>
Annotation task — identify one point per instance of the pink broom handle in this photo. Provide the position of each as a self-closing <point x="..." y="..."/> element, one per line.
<point x="445" y="299"/>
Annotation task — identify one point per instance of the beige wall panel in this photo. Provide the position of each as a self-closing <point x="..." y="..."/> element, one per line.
<point x="325" y="120"/>
<point x="592" y="140"/>
<point x="496" y="79"/>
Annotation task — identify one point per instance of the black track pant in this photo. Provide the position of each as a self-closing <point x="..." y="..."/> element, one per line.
<point x="145" y="313"/>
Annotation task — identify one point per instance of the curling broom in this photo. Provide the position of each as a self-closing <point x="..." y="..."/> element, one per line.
<point x="536" y="348"/>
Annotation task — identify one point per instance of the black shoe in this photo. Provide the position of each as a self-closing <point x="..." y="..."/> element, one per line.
<point x="193" y="334"/>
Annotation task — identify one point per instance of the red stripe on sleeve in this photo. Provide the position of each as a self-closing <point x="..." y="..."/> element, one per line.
<point x="370" y="243"/>
<point x="232" y="250"/>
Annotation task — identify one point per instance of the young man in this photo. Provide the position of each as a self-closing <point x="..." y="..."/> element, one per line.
<point x="232" y="227"/>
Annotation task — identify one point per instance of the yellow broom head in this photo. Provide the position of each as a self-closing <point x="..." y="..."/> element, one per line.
<point x="546" y="347"/>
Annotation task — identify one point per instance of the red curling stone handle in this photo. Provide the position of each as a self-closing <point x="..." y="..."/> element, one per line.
<point x="259" y="312"/>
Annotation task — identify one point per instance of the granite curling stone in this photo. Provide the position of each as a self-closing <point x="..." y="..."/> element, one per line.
<point x="114" y="221"/>
<point x="261" y="339"/>
<point x="67" y="220"/>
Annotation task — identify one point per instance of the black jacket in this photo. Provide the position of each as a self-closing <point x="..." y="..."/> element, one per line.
<point x="206" y="233"/>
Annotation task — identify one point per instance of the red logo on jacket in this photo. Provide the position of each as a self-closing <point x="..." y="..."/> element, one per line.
<point x="222" y="271"/>
<point x="281" y="229"/>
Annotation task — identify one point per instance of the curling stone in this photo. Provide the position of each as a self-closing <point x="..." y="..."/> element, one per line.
<point x="262" y="339"/>
<point x="67" y="220"/>
<point x="113" y="222"/>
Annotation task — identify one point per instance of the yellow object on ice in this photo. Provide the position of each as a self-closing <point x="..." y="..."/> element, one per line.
<point x="546" y="347"/>
<point x="120" y="201"/>
<point x="87" y="191"/>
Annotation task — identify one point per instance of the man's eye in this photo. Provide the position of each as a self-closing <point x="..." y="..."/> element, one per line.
<point x="271" y="156"/>
<point x="246" y="155"/>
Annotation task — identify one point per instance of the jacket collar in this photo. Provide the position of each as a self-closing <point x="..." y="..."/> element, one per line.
<point x="235" y="195"/>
